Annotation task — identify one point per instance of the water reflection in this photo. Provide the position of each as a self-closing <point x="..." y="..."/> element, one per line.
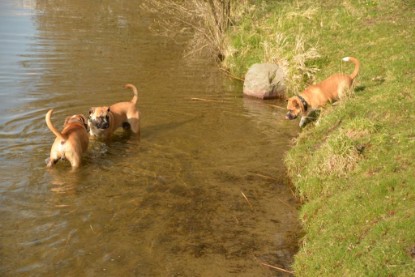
<point x="172" y="203"/>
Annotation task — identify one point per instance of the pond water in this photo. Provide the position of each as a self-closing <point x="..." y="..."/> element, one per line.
<point x="202" y="192"/>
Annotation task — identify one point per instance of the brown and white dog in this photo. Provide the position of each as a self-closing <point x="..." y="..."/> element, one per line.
<point x="71" y="142"/>
<point x="316" y="96"/>
<point x="103" y="121"/>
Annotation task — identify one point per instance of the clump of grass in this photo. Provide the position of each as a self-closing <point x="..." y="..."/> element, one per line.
<point x="342" y="150"/>
<point x="335" y="156"/>
<point x="282" y="42"/>
<point x="338" y="157"/>
<point x="299" y="70"/>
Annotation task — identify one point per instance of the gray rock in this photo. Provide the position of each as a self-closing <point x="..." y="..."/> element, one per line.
<point x="264" y="81"/>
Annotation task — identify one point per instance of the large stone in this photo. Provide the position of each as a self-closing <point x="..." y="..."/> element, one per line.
<point x="264" y="81"/>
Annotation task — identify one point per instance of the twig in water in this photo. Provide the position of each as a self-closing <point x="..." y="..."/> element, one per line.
<point x="62" y="206"/>
<point x="274" y="267"/>
<point x="264" y="176"/>
<point x="68" y="238"/>
<point x="246" y="198"/>
<point x="278" y="107"/>
<point x="206" y="100"/>
<point x="278" y="268"/>
<point x="285" y="203"/>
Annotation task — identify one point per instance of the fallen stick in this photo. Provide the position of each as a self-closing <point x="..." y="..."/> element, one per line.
<point x="285" y="203"/>
<point x="246" y="198"/>
<point x="263" y="176"/>
<point x="277" y="268"/>
<point x="205" y="100"/>
<point x="62" y="206"/>
<point x="278" y="107"/>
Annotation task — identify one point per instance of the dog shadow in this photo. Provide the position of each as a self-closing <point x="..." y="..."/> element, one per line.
<point x="359" y="88"/>
<point x="376" y="81"/>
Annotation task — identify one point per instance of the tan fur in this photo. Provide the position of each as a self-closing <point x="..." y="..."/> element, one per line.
<point x="103" y="121"/>
<point x="71" y="143"/>
<point x="316" y="96"/>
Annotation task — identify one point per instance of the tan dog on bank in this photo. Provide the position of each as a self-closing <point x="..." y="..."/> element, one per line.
<point x="103" y="121"/>
<point x="316" y="96"/>
<point x="71" y="142"/>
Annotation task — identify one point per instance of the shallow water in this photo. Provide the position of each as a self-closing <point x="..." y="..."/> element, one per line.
<point x="201" y="193"/>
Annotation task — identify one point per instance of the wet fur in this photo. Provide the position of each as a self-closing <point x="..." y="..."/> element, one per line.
<point x="103" y="121"/>
<point x="71" y="142"/>
<point x="316" y="96"/>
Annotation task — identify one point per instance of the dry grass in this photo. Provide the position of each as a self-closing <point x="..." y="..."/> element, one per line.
<point x="208" y="23"/>
<point x="337" y="157"/>
<point x="293" y="60"/>
<point x="280" y="40"/>
<point x="299" y="71"/>
<point x="205" y="21"/>
<point x="309" y="13"/>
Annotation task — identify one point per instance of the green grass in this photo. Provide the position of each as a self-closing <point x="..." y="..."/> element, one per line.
<point x="355" y="170"/>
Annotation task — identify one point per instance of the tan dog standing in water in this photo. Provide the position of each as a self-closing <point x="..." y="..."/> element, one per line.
<point x="103" y="121"/>
<point x="71" y="142"/>
<point x="316" y="96"/>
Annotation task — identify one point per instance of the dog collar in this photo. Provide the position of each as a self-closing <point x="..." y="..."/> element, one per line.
<point x="305" y="104"/>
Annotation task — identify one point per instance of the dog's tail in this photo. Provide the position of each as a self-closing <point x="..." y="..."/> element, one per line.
<point x="51" y="127"/>
<point x="135" y="97"/>
<point x="356" y="66"/>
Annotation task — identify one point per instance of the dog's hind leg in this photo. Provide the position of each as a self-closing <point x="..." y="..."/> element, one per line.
<point x="134" y="122"/>
<point x="51" y="161"/>
<point x="74" y="159"/>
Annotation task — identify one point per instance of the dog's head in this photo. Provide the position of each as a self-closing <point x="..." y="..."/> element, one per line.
<point x="78" y="119"/>
<point x="295" y="108"/>
<point x="99" y="117"/>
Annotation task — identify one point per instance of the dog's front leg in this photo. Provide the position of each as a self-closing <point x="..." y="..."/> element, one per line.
<point x="303" y="121"/>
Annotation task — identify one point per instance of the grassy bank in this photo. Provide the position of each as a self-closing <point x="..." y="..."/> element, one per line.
<point x="355" y="171"/>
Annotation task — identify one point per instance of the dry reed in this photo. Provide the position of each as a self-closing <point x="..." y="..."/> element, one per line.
<point x="206" y="22"/>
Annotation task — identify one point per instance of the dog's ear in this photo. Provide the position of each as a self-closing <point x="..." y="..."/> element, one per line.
<point x="290" y="102"/>
<point x="84" y="121"/>
<point x="299" y="104"/>
<point x="91" y="111"/>
<point x="294" y="102"/>
<point x="83" y="118"/>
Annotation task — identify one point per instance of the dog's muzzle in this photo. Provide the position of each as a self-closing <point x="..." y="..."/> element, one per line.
<point x="290" y="116"/>
<point x="101" y="122"/>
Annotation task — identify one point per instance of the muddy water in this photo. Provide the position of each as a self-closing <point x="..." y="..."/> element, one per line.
<point x="171" y="203"/>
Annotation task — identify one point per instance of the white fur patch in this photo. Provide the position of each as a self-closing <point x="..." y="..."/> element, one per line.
<point x="346" y="59"/>
<point x="61" y="148"/>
